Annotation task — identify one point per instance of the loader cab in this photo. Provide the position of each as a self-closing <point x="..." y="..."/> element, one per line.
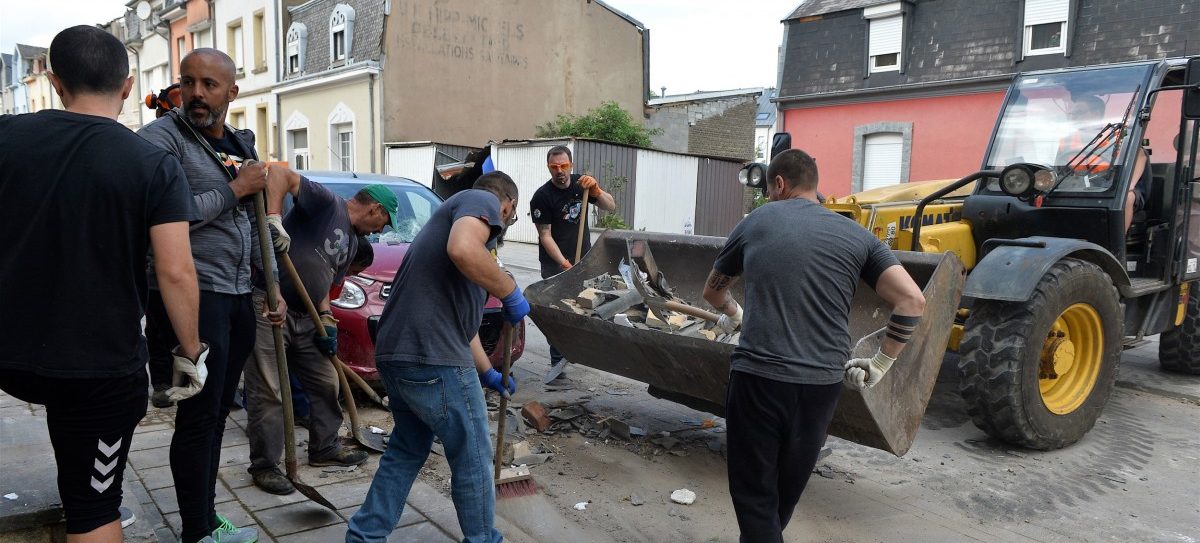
<point x="1085" y="138"/>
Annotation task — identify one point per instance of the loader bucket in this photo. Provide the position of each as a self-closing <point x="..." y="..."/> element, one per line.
<point x="694" y="371"/>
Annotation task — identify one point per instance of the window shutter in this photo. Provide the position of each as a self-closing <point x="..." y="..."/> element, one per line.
<point x="885" y="36"/>
<point x="1045" y="11"/>
<point x="883" y="155"/>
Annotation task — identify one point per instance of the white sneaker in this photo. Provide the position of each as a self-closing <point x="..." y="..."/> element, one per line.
<point x="127" y="517"/>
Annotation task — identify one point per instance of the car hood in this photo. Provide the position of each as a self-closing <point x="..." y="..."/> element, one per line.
<point x="387" y="261"/>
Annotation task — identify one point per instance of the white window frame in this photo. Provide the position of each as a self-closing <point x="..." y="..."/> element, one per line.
<point x="297" y="47"/>
<point x="1043" y="12"/>
<point x="891" y="14"/>
<point x="298" y="152"/>
<point x="295" y="123"/>
<point x="341" y="20"/>
<point x="341" y="120"/>
<point x="235" y="36"/>
<point x="344" y="144"/>
<point x="181" y="47"/>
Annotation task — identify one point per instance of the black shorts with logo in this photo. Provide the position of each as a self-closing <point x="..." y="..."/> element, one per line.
<point x="91" y="423"/>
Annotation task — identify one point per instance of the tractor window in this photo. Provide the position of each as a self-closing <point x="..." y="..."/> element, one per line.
<point x="1073" y="122"/>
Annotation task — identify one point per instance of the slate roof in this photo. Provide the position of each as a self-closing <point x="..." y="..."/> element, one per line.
<point x="821" y="7"/>
<point x="30" y="51"/>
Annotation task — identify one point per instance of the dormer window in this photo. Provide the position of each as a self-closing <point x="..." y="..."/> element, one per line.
<point x="297" y="43"/>
<point x="341" y="34"/>
<point x="1046" y="26"/>
<point x="885" y="37"/>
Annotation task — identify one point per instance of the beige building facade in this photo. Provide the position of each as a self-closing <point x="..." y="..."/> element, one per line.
<point x="332" y="123"/>
<point x="466" y="72"/>
<point x="247" y="32"/>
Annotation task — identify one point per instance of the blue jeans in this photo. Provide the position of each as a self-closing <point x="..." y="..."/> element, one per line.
<point x="445" y="401"/>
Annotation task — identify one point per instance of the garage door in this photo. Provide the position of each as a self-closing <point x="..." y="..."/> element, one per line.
<point x="882" y="160"/>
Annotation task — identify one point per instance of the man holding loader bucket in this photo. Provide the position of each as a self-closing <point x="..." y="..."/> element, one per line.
<point x="559" y="210"/>
<point x="433" y="365"/>
<point x="801" y="263"/>
<point x="320" y="234"/>
<point x="218" y="163"/>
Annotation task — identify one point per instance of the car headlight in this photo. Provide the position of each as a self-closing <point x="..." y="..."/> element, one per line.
<point x="1016" y="180"/>
<point x="352" y="296"/>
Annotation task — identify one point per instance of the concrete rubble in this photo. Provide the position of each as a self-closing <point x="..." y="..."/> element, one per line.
<point x="611" y="298"/>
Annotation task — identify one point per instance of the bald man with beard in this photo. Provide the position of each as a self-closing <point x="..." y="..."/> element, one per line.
<point x="221" y="167"/>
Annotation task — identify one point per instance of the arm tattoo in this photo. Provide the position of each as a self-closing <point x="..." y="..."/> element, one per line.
<point x="543" y="228"/>
<point x="718" y="281"/>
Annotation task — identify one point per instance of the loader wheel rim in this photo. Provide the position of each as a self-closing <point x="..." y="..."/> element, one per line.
<point x="1074" y="349"/>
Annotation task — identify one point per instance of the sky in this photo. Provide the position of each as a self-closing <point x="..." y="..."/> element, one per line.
<point x="694" y="44"/>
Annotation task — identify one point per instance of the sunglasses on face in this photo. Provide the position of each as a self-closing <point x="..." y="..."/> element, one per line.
<point x="561" y="168"/>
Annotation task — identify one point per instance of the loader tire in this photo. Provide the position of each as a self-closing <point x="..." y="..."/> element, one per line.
<point x="1038" y="373"/>
<point x="1179" y="349"/>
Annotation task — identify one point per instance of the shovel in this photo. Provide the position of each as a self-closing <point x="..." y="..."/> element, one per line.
<point x="369" y="440"/>
<point x="285" y="383"/>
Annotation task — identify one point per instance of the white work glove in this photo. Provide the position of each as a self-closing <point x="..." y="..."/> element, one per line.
<point x="730" y="324"/>
<point x="864" y="373"/>
<point x="187" y="375"/>
<point x="279" y="236"/>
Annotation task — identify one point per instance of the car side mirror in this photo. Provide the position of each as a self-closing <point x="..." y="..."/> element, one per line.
<point x="1191" y="96"/>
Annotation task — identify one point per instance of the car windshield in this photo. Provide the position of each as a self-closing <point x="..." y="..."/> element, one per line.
<point x="1071" y="121"/>
<point x="416" y="205"/>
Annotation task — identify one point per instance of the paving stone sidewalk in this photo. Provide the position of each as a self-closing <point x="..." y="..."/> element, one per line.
<point x="428" y="517"/>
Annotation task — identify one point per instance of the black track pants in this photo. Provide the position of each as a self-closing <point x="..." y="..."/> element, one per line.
<point x="776" y="431"/>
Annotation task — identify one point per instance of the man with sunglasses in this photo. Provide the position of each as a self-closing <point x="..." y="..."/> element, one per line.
<point x="555" y="209"/>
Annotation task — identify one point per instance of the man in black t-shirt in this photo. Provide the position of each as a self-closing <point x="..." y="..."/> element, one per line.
<point x="555" y="209"/>
<point x="81" y="200"/>
<point x="801" y="263"/>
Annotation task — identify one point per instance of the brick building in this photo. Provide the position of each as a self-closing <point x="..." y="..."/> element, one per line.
<point x="718" y="123"/>
<point x="881" y="92"/>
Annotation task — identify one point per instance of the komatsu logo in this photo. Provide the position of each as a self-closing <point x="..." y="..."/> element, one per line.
<point x="927" y="219"/>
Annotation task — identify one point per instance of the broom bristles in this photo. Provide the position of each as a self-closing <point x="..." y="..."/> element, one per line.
<point x="516" y="489"/>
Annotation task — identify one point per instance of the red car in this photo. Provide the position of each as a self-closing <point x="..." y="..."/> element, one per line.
<point x="361" y="298"/>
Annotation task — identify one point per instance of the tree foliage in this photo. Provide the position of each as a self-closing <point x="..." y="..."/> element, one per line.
<point x="607" y="122"/>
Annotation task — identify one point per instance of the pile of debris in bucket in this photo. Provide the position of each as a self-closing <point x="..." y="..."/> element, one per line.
<point x="612" y="298"/>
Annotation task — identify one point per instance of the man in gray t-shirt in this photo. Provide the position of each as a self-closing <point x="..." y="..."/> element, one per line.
<point x="320" y="235"/>
<point x="432" y="363"/>
<point x="802" y="264"/>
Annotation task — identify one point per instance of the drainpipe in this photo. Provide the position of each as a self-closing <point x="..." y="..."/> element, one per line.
<point x="371" y="108"/>
<point x="137" y="81"/>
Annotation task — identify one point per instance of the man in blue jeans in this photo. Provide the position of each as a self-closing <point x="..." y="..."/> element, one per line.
<point x="432" y="363"/>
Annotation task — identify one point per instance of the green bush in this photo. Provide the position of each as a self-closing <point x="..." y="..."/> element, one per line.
<point x="608" y="122"/>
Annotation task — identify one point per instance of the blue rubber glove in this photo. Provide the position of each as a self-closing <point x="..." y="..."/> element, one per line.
<point x="327" y="344"/>
<point x="492" y="378"/>
<point x="515" y="307"/>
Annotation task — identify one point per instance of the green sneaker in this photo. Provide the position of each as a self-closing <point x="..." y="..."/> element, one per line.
<point x="226" y="532"/>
